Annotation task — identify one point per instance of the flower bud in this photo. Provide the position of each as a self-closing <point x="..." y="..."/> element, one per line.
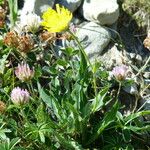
<point x="19" y="96"/>
<point x="120" y="72"/>
<point x="23" y="72"/>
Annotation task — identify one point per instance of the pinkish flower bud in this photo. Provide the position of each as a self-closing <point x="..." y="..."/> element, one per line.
<point x="23" y="72"/>
<point x="120" y="72"/>
<point x="72" y="28"/>
<point x="19" y="96"/>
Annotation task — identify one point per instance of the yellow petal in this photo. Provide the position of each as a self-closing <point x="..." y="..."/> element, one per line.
<point x="56" y="21"/>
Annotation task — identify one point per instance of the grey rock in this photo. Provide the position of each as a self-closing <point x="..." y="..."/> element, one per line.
<point x="147" y="75"/>
<point x="72" y="5"/>
<point x="94" y="38"/>
<point x="139" y="58"/>
<point x="132" y="55"/>
<point x="103" y="12"/>
<point x="132" y="89"/>
<point x="36" y="6"/>
<point x="112" y="57"/>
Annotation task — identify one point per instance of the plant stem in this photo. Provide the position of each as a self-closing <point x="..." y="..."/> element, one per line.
<point x="87" y="59"/>
<point x="119" y="90"/>
<point x="136" y="102"/>
<point x="81" y="48"/>
<point x="143" y="68"/>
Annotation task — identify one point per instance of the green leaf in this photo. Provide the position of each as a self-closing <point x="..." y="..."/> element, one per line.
<point x="108" y="118"/>
<point x="52" y="70"/>
<point x="2" y="63"/>
<point x="75" y="116"/>
<point x="83" y="65"/>
<point x="42" y="137"/>
<point x="126" y="135"/>
<point x="40" y="114"/>
<point x="137" y="129"/>
<point x="62" y="62"/>
<point x="14" y="142"/>
<point x="13" y="7"/>
<point x="98" y="102"/>
<point x="10" y="145"/>
<point x="131" y="117"/>
<point x="51" y="102"/>
<point x="3" y="133"/>
<point x="68" y="144"/>
<point x="129" y="147"/>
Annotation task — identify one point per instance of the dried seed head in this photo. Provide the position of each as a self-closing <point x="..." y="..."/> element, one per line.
<point x="26" y="44"/>
<point x="147" y="42"/>
<point x="2" y="107"/>
<point x="47" y="37"/>
<point x="11" y="39"/>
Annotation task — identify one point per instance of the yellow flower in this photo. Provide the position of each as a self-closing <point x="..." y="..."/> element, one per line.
<point x="56" y="21"/>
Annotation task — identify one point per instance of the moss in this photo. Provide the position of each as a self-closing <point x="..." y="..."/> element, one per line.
<point x="139" y="10"/>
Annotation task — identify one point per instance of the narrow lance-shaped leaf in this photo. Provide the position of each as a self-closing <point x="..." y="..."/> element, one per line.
<point x="98" y="102"/>
<point x="51" y="102"/>
<point x="135" y="115"/>
<point x="109" y="118"/>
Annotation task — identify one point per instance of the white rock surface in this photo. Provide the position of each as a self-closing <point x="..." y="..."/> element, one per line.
<point x="103" y="12"/>
<point x="94" y="38"/>
<point x="36" y="6"/>
<point x="72" y="5"/>
<point x="112" y="57"/>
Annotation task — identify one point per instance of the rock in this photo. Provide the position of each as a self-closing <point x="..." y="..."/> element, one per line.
<point x="103" y="12"/>
<point x="132" y="55"/>
<point x="112" y="57"/>
<point x="77" y="20"/>
<point x="132" y="89"/>
<point x="146" y="75"/>
<point x="72" y="5"/>
<point x="139" y="58"/>
<point x="147" y="105"/>
<point x="36" y="6"/>
<point x="94" y="38"/>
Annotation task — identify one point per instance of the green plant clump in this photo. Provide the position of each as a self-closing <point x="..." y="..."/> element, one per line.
<point x="54" y="98"/>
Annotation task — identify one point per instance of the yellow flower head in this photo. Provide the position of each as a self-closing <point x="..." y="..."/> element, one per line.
<point x="56" y="21"/>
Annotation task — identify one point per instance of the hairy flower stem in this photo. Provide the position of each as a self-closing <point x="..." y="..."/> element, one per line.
<point x="87" y="59"/>
<point x="31" y="89"/>
<point x="119" y="90"/>
<point x="22" y="113"/>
